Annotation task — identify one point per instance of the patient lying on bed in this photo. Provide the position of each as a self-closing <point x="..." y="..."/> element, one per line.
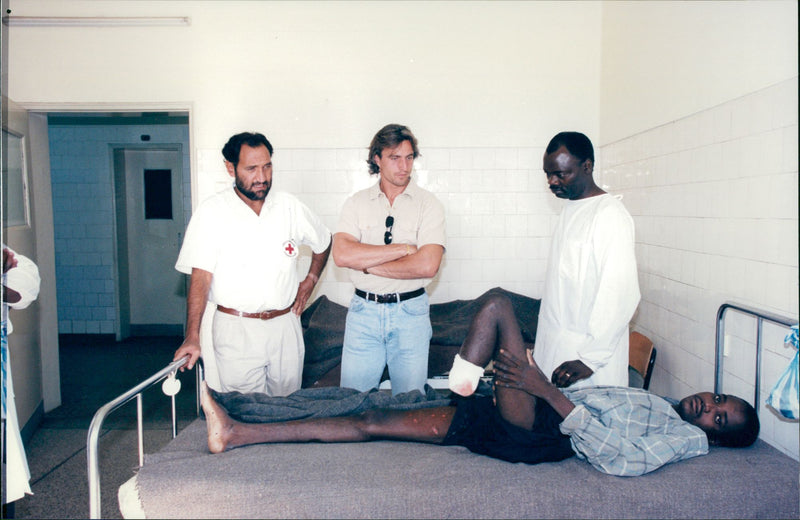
<point x="620" y="431"/>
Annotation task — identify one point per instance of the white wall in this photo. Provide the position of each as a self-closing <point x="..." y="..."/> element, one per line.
<point x="320" y="78"/>
<point x="706" y="156"/>
<point x="25" y="342"/>
<point x="663" y="60"/>
<point x="499" y="212"/>
<point x="326" y="74"/>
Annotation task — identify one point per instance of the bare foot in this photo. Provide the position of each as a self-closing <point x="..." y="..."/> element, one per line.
<point x="218" y="423"/>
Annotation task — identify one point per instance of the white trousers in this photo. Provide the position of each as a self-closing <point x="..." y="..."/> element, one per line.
<point x="255" y="355"/>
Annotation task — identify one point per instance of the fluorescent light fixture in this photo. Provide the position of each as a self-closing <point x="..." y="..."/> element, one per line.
<point x="96" y="21"/>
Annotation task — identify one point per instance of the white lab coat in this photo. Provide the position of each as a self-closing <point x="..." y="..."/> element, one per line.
<point x="24" y="278"/>
<point x="591" y="291"/>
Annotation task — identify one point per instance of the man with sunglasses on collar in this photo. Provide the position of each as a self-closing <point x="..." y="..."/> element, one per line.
<point x="391" y="237"/>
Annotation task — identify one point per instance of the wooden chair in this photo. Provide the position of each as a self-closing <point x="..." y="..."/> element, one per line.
<point x="641" y="357"/>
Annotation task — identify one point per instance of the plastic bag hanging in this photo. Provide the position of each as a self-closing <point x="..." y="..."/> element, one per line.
<point x="785" y="395"/>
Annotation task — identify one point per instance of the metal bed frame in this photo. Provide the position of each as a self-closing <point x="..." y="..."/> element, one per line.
<point x="93" y="436"/>
<point x="761" y="317"/>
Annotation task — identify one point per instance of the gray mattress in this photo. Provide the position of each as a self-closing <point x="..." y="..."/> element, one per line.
<point x="389" y="479"/>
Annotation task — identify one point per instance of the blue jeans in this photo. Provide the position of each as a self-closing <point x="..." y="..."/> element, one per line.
<point x="396" y="335"/>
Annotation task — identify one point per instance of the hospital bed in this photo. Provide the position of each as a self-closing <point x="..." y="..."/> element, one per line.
<point x="393" y="479"/>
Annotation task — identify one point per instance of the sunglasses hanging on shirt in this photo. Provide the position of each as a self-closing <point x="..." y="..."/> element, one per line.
<point x="387" y="237"/>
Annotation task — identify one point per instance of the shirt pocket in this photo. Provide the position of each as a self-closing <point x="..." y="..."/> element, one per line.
<point x="373" y="234"/>
<point x="404" y="232"/>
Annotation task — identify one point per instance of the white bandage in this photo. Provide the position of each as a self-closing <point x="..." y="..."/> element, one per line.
<point x="464" y="377"/>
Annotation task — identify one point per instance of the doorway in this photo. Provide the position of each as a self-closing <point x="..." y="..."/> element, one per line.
<point x="148" y="185"/>
<point x="94" y="278"/>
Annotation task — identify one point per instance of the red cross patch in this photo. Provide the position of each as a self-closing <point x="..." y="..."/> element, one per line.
<point x="290" y="248"/>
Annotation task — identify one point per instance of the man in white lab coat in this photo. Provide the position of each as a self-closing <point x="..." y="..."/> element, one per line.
<point x="591" y="288"/>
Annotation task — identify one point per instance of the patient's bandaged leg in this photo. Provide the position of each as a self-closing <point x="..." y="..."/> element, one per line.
<point x="464" y="376"/>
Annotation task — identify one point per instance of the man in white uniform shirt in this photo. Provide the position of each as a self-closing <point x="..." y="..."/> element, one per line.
<point x="241" y="251"/>
<point x="591" y="288"/>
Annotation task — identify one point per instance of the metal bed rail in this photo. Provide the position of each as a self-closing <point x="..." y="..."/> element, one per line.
<point x="93" y="466"/>
<point x="761" y="317"/>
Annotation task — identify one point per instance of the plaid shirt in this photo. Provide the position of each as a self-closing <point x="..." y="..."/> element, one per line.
<point x="628" y="431"/>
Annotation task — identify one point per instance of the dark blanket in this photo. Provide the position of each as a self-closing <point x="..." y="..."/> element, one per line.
<point x="323" y="331"/>
<point x="321" y="402"/>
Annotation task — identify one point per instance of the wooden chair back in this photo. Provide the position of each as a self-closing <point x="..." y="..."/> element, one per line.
<point x="642" y="356"/>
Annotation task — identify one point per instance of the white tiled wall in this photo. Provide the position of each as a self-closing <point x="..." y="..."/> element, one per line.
<point x="498" y="209"/>
<point x="715" y="201"/>
<point x="81" y="176"/>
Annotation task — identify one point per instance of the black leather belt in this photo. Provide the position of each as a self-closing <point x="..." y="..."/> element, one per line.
<point x="391" y="297"/>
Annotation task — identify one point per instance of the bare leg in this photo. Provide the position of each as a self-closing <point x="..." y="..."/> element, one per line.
<point x="422" y="425"/>
<point x="494" y="327"/>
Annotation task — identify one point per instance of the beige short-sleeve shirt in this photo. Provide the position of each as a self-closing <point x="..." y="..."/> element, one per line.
<point x="418" y="220"/>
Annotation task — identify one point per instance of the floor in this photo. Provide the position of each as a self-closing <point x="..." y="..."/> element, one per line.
<point x="94" y="371"/>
